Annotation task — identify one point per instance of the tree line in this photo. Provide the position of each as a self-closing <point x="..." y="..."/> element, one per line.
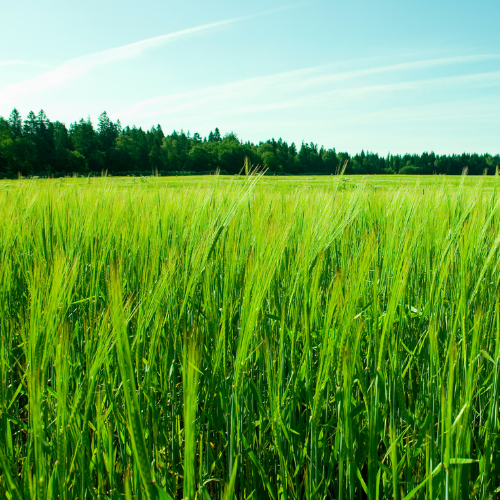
<point x="39" y="147"/>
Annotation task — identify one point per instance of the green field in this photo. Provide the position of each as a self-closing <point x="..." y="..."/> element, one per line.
<point x="260" y="337"/>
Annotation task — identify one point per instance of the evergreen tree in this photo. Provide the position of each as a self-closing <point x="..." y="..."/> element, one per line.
<point x="214" y="136"/>
<point x="6" y="148"/>
<point x="15" y="124"/>
<point x="62" y="147"/>
<point x="330" y="161"/>
<point x="84" y="142"/>
<point x="44" y="141"/>
<point x="107" y="131"/>
<point x="30" y="125"/>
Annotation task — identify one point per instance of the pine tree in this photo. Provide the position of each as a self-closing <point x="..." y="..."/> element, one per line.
<point x="107" y="131"/>
<point x="215" y="135"/>
<point x="44" y="141"/>
<point x="30" y="125"/>
<point x="16" y="123"/>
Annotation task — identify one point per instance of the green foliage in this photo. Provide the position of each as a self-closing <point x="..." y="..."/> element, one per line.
<point x="48" y="149"/>
<point x="249" y="338"/>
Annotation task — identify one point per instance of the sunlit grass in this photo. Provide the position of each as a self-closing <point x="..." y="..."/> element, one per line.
<point x="250" y="338"/>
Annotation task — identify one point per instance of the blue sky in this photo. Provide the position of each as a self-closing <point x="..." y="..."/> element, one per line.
<point x="385" y="76"/>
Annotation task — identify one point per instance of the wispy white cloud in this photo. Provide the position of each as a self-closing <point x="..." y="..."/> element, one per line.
<point x="475" y="112"/>
<point x="460" y="113"/>
<point x="395" y="68"/>
<point x="486" y="79"/>
<point x="317" y="86"/>
<point x="77" y="67"/>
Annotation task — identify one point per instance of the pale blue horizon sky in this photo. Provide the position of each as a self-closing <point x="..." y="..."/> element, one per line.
<point x="387" y="76"/>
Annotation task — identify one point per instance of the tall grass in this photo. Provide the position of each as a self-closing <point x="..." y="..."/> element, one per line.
<point x="240" y="340"/>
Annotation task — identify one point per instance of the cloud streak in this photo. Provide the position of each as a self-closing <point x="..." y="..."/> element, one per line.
<point x="77" y="67"/>
<point x="316" y="86"/>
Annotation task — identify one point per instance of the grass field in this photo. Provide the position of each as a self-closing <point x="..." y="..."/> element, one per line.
<point x="261" y="337"/>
